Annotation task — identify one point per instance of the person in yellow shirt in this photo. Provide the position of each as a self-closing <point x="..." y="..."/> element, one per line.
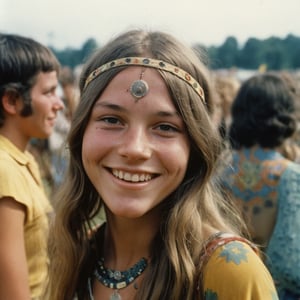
<point x="28" y="108"/>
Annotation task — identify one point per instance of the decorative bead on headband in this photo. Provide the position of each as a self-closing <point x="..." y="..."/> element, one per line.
<point x="151" y="63"/>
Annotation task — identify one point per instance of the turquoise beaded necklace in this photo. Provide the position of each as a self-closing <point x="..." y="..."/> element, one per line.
<point x="115" y="279"/>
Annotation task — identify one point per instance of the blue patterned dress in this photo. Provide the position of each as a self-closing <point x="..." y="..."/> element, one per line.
<point x="266" y="186"/>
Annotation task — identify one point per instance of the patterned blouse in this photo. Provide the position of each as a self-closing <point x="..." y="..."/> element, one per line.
<point x="267" y="188"/>
<point x="235" y="271"/>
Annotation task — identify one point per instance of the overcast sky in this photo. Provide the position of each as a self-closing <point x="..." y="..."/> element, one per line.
<point x="69" y="23"/>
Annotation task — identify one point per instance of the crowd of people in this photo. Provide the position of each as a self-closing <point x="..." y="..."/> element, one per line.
<point x="150" y="176"/>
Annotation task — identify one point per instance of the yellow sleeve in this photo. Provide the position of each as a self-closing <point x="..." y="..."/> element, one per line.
<point x="17" y="182"/>
<point x="13" y="183"/>
<point x="235" y="271"/>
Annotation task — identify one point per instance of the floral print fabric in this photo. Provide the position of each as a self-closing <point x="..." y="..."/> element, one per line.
<point x="235" y="271"/>
<point x="267" y="188"/>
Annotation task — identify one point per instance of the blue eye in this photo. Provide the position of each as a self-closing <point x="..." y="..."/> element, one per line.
<point x="167" y="127"/>
<point x="110" y="120"/>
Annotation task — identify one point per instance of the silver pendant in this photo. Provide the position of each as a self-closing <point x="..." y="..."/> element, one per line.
<point x="115" y="274"/>
<point x="139" y="89"/>
<point x="115" y="296"/>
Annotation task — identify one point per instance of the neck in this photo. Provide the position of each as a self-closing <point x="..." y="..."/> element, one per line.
<point x="126" y="242"/>
<point x="15" y="137"/>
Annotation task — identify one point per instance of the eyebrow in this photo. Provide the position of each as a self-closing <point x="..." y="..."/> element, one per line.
<point x="50" y="88"/>
<point x="119" y="108"/>
<point x="112" y="106"/>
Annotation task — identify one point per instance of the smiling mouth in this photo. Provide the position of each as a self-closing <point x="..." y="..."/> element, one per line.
<point x="132" y="177"/>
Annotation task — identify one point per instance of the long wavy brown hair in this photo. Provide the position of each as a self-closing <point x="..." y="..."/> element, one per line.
<point x="174" y="272"/>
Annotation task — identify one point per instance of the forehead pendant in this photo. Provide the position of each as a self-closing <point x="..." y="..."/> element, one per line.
<point x="139" y="88"/>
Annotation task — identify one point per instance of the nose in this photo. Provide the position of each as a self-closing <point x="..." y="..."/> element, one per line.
<point x="58" y="103"/>
<point x="135" y="144"/>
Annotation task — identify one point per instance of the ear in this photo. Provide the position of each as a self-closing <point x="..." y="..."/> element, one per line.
<point x="10" y="102"/>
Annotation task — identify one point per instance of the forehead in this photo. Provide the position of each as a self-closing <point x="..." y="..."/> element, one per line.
<point x="118" y="90"/>
<point x="45" y="79"/>
<point x="132" y="73"/>
<point x="122" y="82"/>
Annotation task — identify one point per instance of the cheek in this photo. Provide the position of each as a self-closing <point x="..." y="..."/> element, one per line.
<point x="40" y="107"/>
<point x="88" y="147"/>
<point x="177" y="157"/>
<point x="94" y="146"/>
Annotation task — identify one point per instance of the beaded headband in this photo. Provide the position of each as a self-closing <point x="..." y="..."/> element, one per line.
<point x="151" y="63"/>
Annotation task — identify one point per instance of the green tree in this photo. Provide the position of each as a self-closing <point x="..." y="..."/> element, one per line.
<point x="273" y="54"/>
<point x="73" y="57"/>
<point x="250" y="54"/>
<point x="292" y="51"/>
<point x="88" y="48"/>
<point x="228" y="53"/>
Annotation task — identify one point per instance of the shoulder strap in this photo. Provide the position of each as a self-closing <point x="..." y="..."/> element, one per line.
<point x="221" y="239"/>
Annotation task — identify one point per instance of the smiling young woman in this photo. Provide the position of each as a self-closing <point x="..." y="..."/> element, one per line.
<point x="143" y="147"/>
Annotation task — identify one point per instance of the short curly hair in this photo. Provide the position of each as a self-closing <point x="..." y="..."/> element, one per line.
<point x="263" y="112"/>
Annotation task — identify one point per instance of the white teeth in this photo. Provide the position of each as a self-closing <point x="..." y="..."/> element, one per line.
<point x="131" y="177"/>
<point x="127" y="177"/>
<point x="135" y="178"/>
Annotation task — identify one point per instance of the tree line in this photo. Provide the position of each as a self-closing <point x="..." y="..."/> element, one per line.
<point x="274" y="53"/>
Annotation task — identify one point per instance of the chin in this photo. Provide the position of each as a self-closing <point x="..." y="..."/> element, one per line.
<point x="46" y="134"/>
<point x="128" y="213"/>
<point x="43" y="136"/>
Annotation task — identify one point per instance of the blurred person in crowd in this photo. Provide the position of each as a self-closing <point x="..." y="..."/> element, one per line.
<point x="227" y="87"/>
<point x="143" y="147"/>
<point x="28" y="109"/>
<point x="291" y="147"/>
<point x="68" y="82"/>
<point x="264" y="183"/>
<point x="57" y="141"/>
